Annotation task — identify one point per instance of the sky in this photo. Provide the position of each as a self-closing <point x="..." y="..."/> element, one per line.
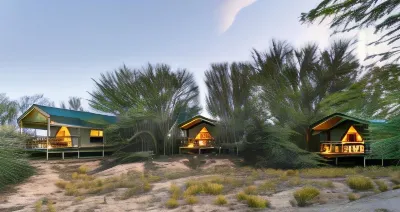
<point x="57" y="48"/>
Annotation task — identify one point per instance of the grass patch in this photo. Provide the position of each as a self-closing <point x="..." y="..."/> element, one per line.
<point x="396" y="187"/>
<point x="250" y="189"/>
<point x="61" y="184"/>
<point x="268" y="187"/>
<point x="292" y="173"/>
<point x="50" y="206"/>
<point x="172" y="203"/>
<point x="193" y="190"/>
<point x="395" y="178"/>
<point x="306" y="194"/>
<point x="353" y="196"/>
<point x="359" y="183"/>
<point x="274" y="172"/>
<point x="294" y="181"/>
<point x="82" y="169"/>
<point x="175" y="191"/>
<point x="191" y="200"/>
<point x="241" y="196"/>
<point x="327" y="172"/>
<point x="38" y="206"/>
<point x="213" y="188"/>
<point x="256" y="202"/>
<point x="323" y="184"/>
<point x="71" y="190"/>
<point x="220" y="200"/>
<point x="382" y="186"/>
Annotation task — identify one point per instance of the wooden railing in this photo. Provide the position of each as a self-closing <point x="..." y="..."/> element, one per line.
<point x="339" y="147"/>
<point x="54" y="142"/>
<point x="191" y="142"/>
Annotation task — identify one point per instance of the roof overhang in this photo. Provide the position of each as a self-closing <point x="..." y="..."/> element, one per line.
<point x="196" y="121"/>
<point x="334" y="120"/>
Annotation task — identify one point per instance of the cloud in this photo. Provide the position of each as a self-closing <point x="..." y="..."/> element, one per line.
<point x="228" y="11"/>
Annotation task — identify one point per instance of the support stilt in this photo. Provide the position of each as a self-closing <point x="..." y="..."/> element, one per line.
<point x="364" y="161"/>
<point x="63" y="155"/>
<point x="336" y="161"/>
<point x="382" y="161"/>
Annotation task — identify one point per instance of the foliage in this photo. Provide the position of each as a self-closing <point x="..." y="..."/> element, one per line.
<point x="382" y="186"/>
<point x="15" y="168"/>
<point x="304" y="195"/>
<point x="250" y="189"/>
<point x="353" y="196"/>
<point x="375" y="95"/>
<point x="228" y="99"/>
<point x="220" y="200"/>
<point x="172" y="203"/>
<point x="152" y="99"/>
<point x="257" y="202"/>
<point x="348" y="15"/>
<point x="360" y="183"/>
<point x="175" y="191"/>
<point x="241" y="196"/>
<point x="8" y="110"/>
<point x="385" y="138"/>
<point x="191" y="200"/>
<point x="27" y="101"/>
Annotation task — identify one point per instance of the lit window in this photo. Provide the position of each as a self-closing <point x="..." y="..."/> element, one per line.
<point x="96" y="133"/>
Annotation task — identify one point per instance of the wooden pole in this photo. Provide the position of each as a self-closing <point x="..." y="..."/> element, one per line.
<point x="48" y="135"/>
<point x="364" y="161"/>
<point x="79" y="141"/>
<point x="104" y="140"/>
<point x="382" y="161"/>
<point x="336" y="161"/>
<point x="20" y="128"/>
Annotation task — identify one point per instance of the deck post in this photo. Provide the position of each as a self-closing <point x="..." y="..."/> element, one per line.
<point x="104" y="140"/>
<point x="199" y="151"/>
<point x="63" y="155"/>
<point x="79" y="141"/>
<point x="20" y="128"/>
<point x="364" y="161"/>
<point x="336" y="161"/>
<point x="48" y="135"/>
<point x="219" y="152"/>
<point x="382" y="161"/>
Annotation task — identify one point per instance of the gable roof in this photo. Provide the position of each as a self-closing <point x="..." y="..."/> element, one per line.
<point x="333" y="120"/>
<point x="194" y="121"/>
<point x="70" y="117"/>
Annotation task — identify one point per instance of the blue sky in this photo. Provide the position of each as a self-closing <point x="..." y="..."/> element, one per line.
<point x="57" y="47"/>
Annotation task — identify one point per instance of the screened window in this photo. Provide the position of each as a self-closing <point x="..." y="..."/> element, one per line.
<point x="96" y="136"/>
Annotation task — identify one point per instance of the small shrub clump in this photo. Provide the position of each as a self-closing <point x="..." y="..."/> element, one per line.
<point x="82" y="169"/>
<point x="241" y="196"/>
<point x="175" y="191"/>
<point x="38" y="206"/>
<point x="382" y="186"/>
<point x="250" y="189"/>
<point x="256" y="202"/>
<point x="172" y="203"/>
<point x="61" y="184"/>
<point x="191" y="200"/>
<point x="306" y="194"/>
<point x="360" y="183"/>
<point x="221" y="200"/>
<point x="353" y="196"/>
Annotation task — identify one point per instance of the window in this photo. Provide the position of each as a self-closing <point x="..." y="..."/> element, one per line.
<point x="351" y="137"/>
<point x="96" y="136"/>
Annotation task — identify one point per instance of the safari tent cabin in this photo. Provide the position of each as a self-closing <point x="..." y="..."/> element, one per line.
<point x="198" y="134"/>
<point x="340" y="135"/>
<point x="67" y="130"/>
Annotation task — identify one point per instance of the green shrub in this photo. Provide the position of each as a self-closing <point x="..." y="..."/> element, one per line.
<point x="382" y="186"/>
<point x="213" y="188"/>
<point x="172" y="203"/>
<point x="360" y="183"/>
<point x="175" y="191"/>
<point x="191" y="200"/>
<point x="353" y="196"/>
<point x="220" y="200"/>
<point x="250" y="189"/>
<point x="82" y="169"/>
<point x="193" y="190"/>
<point x="256" y="202"/>
<point x="304" y="195"/>
<point x="241" y="196"/>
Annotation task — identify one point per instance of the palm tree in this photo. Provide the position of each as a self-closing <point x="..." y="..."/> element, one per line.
<point x="292" y="83"/>
<point x="229" y="90"/>
<point x="75" y="103"/>
<point x="148" y="100"/>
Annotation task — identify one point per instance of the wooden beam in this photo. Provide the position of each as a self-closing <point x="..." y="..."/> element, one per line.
<point x="48" y="135"/>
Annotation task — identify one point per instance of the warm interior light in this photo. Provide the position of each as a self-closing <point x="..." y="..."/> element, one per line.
<point x="96" y="133"/>
<point x="202" y="143"/>
<point x="64" y="135"/>
<point x="352" y="130"/>
<point x="191" y="145"/>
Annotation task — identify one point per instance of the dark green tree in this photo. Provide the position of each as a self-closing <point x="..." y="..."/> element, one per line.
<point x="348" y="15"/>
<point x="292" y="83"/>
<point x="75" y="103"/>
<point x="8" y="110"/>
<point x="147" y="101"/>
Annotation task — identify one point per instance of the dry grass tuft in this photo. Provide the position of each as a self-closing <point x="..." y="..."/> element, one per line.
<point x="71" y="190"/>
<point x="327" y="172"/>
<point x="191" y="200"/>
<point x="172" y="203"/>
<point x="353" y="196"/>
<point x="360" y="183"/>
<point x="268" y="187"/>
<point x="220" y="200"/>
<point x="241" y="196"/>
<point x="193" y="190"/>
<point x="292" y="173"/>
<point x="213" y="188"/>
<point x="175" y="191"/>
<point x="396" y="187"/>
<point x="38" y="206"/>
<point x="50" y="206"/>
<point x="250" y="189"/>
<point x="304" y="195"/>
<point x="82" y="169"/>
<point x="257" y="202"/>
<point x="382" y="186"/>
<point x="61" y="184"/>
<point x="395" y="177"/>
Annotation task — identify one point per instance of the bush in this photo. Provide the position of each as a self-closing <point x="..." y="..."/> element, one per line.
<point x="304" y="195"/>
<point x="82" y="169"/>
<point x="14" y="165"/>
<point x="381" y="185"/>
<point x="71" y="190"/>
<point x="193" y="190"/>
<point x="175" y="191"/>
<point x="61" y="184"/>
<point x="250" y="189"/>
<point x="221" y="200"/>
<point x="256" y="202"/>
<point x="38" y="206"/>
<point x="353" y="196"/>
<point x="241" y="196"/>
<point x="213" y="188"/>
<point x="50" y="206"/>
<point x="191" y="200"/>
<point x="172" y="203"/>
<point x="360" y="183"/>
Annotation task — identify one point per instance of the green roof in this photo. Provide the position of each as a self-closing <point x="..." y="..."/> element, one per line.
<point x="72" y="117"/>
<point x="346" y="117"/>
